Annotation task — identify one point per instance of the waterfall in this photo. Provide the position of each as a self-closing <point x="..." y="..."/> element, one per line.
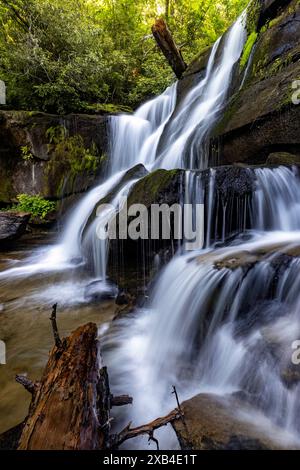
<point x="220" y="319"/>
<point x="186" y="144"/>
<point x="136" y="139"/>
<point x="277" y="199"/>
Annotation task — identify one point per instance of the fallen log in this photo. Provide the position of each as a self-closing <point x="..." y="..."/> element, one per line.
<point x="166" y="43"/>
<point x="70" y="406"/>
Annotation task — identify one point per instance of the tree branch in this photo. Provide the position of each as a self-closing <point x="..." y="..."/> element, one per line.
<point x="129" y="433"/>
<point x="120" y="400"/>
<point x="17" y="15"/>
<point x="30" y="386"/>
<point x="57" y="339"/>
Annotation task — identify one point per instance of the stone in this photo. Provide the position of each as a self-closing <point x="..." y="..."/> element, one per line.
<point x="98" y="291"/>
<point x="12" y="225"/>
<point x="122" y="298"/>
<point x="291" y="375"/>
<point x="212" y="423"/>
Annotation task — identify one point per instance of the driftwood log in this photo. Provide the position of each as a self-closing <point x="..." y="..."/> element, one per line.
<point x="166" y="43"/>
<point x="70" y="406"/>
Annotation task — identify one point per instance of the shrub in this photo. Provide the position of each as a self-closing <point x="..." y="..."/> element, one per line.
<point x="36" y="205"/>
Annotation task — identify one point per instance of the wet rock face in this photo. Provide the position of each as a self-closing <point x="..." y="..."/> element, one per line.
<point x="50" y="155"/>
<point x="234" y="181"/>
<point x="261" y="117"/>
<point x="211" y="424"/>
<point x="270" y="9"/>
<point x="133" y="263"/>
<point x="12" y="225"/>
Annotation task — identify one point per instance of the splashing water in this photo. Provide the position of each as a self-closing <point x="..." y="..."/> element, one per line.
<point x="223" y="320"/>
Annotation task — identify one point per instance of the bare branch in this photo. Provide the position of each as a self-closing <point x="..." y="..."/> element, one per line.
<point x="57" y="339"/>
<point x="129" y="433"/>
<point x="120" y="400"/>
<point x="30" y="386"/>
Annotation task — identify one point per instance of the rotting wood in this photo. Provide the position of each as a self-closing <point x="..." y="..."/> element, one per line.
<point x="70" y="406"/>
<point x="166" y="43"/>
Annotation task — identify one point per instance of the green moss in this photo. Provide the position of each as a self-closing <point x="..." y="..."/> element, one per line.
<point x="253" y="13"/>
<point x="264" y="70"/>
<point x="6" y="189"/>
<point x="227" y="115"/>
<point x="106" y="108"/>
<point x="69" y="159"/>
<point x="283" y="158"/>
<point x="248" y="48"/>
<point x="70" y="151"/>
<point x="147" y="190"/>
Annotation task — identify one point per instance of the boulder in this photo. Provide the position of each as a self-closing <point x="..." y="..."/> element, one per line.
<point x="160" y="186"/>
<point x="98" y="291"/>
<point x="125" y="267"/>
<point x="12" y="225"/>
<point x="212" y="423"/>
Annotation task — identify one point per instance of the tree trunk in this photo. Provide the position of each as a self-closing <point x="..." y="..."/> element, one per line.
<point x="168" y="47"/>
<point x="70" y="405"/>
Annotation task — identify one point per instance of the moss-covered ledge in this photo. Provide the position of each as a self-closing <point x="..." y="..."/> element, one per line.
<point x="50" y="155"/>
<point x="261" y="117"/>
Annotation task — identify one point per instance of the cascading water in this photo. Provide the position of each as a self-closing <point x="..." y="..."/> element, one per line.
<point x="136" y="139"/>
<point x="186" y="144"/>
<point x="215" y="318"/>
<point x="277" y="199"/>
<point x="209" y="318"/>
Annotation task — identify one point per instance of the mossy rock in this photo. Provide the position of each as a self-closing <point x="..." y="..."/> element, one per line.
<point x="261" y="116"/>
<point x="161" y="186"/>
<point x="199" y="63"/>
<point x="283" y="158"/>
<point x="34" y="161"/>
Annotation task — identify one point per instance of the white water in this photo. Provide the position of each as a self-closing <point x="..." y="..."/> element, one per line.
<point x="214" y="330"/>
<point x="135" y="139"/>
<point x="203" y="328"/>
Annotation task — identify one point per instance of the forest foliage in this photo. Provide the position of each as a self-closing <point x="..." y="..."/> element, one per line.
<point x="83" y="55"/>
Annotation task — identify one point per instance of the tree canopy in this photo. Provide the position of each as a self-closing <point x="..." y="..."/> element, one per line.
<point x="84" y="55"/>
